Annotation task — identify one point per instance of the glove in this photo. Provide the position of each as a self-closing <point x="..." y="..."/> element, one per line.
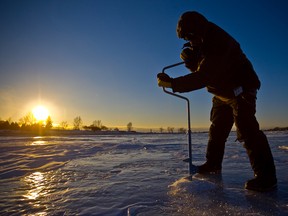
<point x="191" y="57"/>
<point x="164" y="80"/>
<point x="187" y="54"/>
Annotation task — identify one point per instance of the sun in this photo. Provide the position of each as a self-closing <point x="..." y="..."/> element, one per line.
<point x="41" y="113"/>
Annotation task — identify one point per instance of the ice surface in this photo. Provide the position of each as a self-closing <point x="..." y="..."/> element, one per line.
<point x="140" y="174"/>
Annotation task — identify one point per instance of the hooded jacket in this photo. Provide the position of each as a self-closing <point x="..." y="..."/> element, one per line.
<point x="223" y="66"/>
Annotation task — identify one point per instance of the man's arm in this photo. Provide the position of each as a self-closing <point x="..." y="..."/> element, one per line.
<point x="189" y="82"/>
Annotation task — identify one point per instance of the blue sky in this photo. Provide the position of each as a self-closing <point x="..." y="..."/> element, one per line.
<point x="99" y="59"/>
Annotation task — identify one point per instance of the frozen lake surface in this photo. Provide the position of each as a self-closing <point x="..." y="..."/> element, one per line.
<point x="139" y="174"/>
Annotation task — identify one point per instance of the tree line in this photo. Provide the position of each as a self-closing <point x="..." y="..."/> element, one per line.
<point x="29" y="122"/>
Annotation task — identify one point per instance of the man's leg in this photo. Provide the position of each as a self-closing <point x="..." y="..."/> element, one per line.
<point x="256" y="145"/>
<point x="222" y="122"/>
<point x="262" y="163"/>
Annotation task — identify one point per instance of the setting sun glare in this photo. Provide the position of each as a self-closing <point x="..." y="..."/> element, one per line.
<point x="40" y="113"/>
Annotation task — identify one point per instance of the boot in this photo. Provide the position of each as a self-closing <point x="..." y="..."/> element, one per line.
<point x="262" y="184"/>
<point x="207" y="168"/>
<point x="214" y="158"/>
<point x="262" y="163"/>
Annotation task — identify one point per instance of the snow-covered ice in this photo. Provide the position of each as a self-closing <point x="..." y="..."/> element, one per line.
<point x="136" y="174"/>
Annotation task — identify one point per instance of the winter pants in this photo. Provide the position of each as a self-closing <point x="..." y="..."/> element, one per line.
<point x="241" y="111"/>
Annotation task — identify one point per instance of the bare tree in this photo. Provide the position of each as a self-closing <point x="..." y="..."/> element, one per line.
<point x="77" y="123"/>
<point x="64" y="124"/>
<point x="28" y="119"/>
<point x="97" y="123"/>
<point x="182" y="130"/>
<point x="170" y="129"/>
<point x="161" y="130"/>
<point x="129" y="126"/>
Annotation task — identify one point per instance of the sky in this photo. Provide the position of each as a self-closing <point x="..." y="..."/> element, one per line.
<point x="99" y="59"/>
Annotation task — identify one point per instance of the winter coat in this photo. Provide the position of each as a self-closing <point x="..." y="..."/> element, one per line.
<point x="222" y="68"/>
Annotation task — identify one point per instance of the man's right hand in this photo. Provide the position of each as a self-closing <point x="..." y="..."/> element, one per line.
<point x="164" y="80"/>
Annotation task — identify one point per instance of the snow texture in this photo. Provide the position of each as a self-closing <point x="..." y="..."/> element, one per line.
<point x="139" y="174"/>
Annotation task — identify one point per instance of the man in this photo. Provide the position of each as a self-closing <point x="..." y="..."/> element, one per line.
<point x="218" y="63"/>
